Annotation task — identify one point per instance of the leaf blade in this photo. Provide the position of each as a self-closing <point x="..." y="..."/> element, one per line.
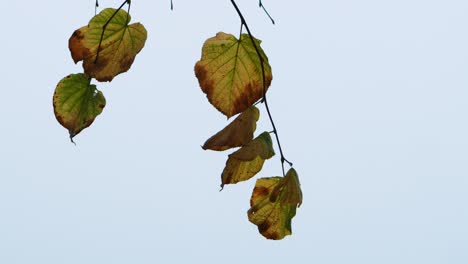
<point x="120" y="44"/>
<point x="77" y="103"/>
<point x="229" y="73"/>
<point x="273" y="205"/>
<point x="246" y="162"/>
<point x="238" y="133"/>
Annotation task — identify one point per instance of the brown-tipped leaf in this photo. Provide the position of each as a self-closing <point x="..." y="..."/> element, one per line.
<point x="238" y="133"/>
<point x="120" y="44"/>
<point x="273" y="204"/>
<point x="230" y="73"/>
<point x="248" y="160"/>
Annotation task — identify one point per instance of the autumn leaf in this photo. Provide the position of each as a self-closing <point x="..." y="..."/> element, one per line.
<point x="77" y="103"/>
<point x="248" y="160"/>
<point x="229" y="73"/>
<point x="273" y="204"/>
<point x="120" y="44"/>
<point x="238" y="133"/>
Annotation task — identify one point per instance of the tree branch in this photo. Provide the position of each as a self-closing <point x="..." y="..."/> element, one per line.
<point x="275" y="131"/>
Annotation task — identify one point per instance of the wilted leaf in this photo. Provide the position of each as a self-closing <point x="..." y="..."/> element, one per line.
<point x="229" y="73"/>
<point x="77" y="103"/>
<point x="273" y="204"/>
<point x="120" y="44"/>
<point x="238" y="133"/>
<point x="248" y="160"/>
<point x="289" y="190"/>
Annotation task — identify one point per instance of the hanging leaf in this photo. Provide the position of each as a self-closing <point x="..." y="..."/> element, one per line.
<point x="248" y="160"/>
<point x="230" y="74"/>
<point x="77" y="103"/>
<point x="238" y="133"/>
<point x="120" y="44"/>
<point x="273" y="204"/>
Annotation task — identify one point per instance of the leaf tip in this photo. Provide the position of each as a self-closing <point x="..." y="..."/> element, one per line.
<point x="72" y="135"/>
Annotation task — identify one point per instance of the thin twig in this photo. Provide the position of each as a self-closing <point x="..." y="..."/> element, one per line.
<point x="260" y="4"/>
<point x="275" y="131"/>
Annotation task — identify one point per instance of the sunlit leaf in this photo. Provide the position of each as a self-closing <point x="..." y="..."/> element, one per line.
<point x="248" y="160"/>
<point x="229" y="73"/>
<point x="238" y="133"/>
<point x="120" y="44"/>
<point x="77" y="103"/>
<point x="273" y="204"/>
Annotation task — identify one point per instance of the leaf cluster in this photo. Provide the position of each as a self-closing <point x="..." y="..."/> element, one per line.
<point x="235" y="75"/>
<point x="107" y="46"/>
<point x="231" y="74"/>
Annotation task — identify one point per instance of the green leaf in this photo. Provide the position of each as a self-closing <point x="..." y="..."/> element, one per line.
<point x="273" y="204"/>
<point x="238" y="133"/>
<point x="248" y="160"/>
<point x="77" y="103"/>
<point x="229" y="73"/>
<point x="120" y="44"/>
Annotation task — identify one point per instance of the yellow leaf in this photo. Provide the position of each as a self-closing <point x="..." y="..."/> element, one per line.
<point x="238" y="133"/>
<point x="120" y="44"/>
<point x="248" y="160"/>
<point x="229" y="73"/>
<point x="293" y="193"/>
<point x="273" y="204"/>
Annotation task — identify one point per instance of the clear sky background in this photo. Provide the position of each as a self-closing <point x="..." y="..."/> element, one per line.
<point x="370" y="99"/>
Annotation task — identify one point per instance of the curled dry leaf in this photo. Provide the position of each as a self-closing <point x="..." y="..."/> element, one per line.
<point x="120" y="44"/>
<point x="230" y="74"/>
<point x="244" y="163"/>
<point x="273" y="204"/>
<point x="238" y="133"/>
<point x="77" y="103"/>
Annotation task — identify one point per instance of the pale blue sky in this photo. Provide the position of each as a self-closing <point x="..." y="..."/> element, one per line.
<point x="370" y="99"/>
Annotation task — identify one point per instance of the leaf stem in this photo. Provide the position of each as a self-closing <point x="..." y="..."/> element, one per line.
<point x="275" y="131"/>
<point x="240" y="31"/>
